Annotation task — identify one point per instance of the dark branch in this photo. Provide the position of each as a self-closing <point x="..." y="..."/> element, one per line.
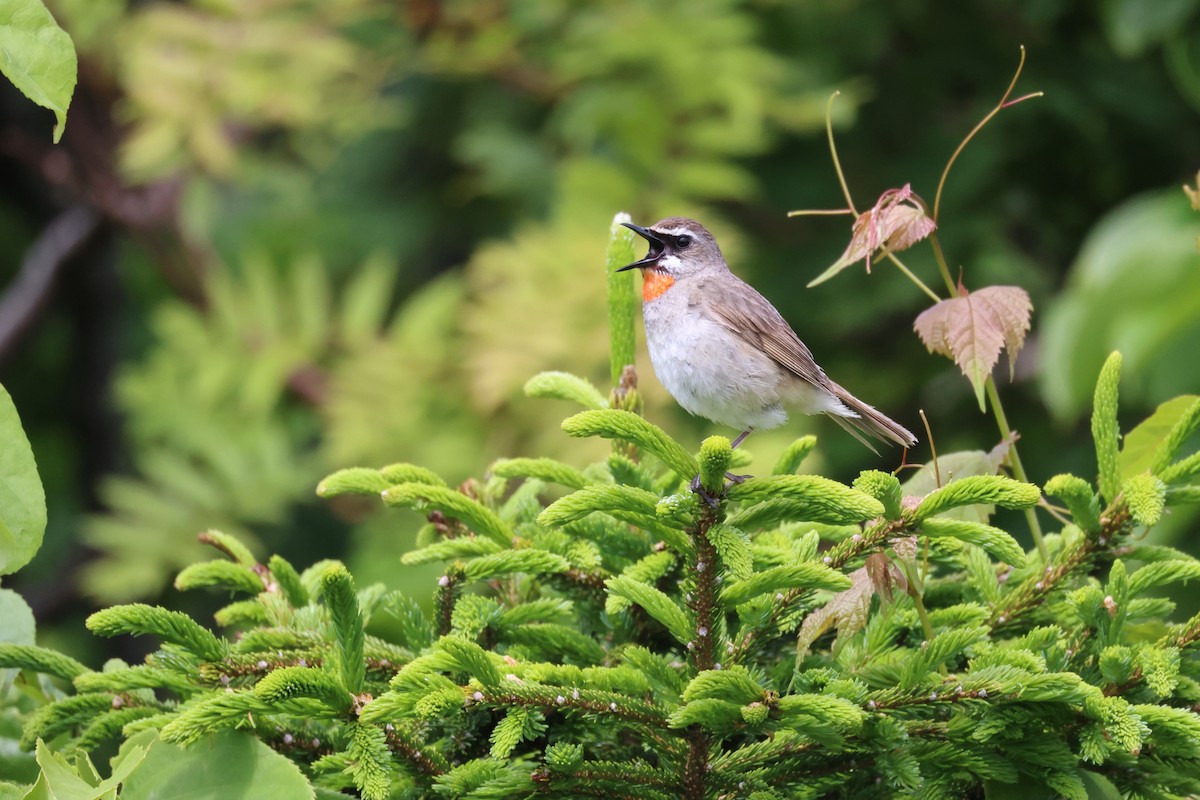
<point x="27" y="295"/>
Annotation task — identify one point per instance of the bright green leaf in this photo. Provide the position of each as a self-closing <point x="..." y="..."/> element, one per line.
<point x="230" y="765"/>
<point x="38" y="57"/>
<point x="22" y="499"/>
<point x="1140" y="448"/>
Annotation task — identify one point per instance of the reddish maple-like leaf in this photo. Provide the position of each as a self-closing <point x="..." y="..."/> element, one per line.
<point x="896" y="221"/>
<point x="885" y="577"/>
<point x="973" y="328"/>
<point x="846" y="612"/>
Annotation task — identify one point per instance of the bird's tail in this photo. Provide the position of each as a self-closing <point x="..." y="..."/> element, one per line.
<point x="870" y="422"/>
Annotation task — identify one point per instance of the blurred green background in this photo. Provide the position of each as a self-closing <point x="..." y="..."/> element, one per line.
<point x="282" y="237"/>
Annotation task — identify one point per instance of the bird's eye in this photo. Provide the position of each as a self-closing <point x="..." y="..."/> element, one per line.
<point x="683" y="241"/>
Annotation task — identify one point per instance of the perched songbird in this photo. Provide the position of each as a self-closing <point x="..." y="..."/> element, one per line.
<point x="722" y="350"/>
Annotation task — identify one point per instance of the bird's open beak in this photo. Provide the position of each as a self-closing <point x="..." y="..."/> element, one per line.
<point x="657" y="245"/>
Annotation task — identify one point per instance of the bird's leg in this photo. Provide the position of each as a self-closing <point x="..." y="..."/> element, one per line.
<point x="729" y="476"/>
<point x="697" y="488"/>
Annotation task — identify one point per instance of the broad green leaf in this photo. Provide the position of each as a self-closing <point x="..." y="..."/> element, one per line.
<point x="22" y="499"/>
<point x="229" y="766"/>
<point x="16" y="624"/>
<point x="974" y="328"/>
<point x="1140" y="445"/>
<point x="62" y="780"/>
<point x="1114" y="300"/>
<point x="38" y="57"/>
<point x="1099" y="787"/>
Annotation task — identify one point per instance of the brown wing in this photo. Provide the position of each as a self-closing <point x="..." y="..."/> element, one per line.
<point x="749" y="314"/>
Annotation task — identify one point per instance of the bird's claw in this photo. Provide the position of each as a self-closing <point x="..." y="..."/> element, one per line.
<point x="698" y="488"/>
<point x="710" y="499"/>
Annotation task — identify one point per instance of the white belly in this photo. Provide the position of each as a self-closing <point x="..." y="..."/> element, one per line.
<point x="713" y="374"/>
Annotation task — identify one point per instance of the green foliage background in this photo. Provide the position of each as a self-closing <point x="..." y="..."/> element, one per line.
<point x="348" y="231"/>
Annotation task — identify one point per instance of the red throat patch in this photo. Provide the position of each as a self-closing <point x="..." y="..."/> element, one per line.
<point x="655" y="284"/>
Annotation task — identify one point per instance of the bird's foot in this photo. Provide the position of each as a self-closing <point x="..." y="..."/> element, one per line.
<point x="698" y="488"/>
<point x="713" y="500"/>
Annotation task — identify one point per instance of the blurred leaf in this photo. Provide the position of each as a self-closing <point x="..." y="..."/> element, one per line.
<point x="38" y="57"/>
<point x="1135" y="287"/>
<point x="1132" y="26"/>
<point x="220" y="439"/>
<point x="394" y="393"/>
<point x="22" y="499"/>
<point x="972" y="329"/>
<point x="195" y="80"/>
<point x="1140" y="445"/>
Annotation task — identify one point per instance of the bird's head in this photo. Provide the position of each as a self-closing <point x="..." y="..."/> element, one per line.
<point x="679" y="247"/>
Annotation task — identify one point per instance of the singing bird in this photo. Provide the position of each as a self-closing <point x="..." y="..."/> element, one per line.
<point x="724" y="352"/>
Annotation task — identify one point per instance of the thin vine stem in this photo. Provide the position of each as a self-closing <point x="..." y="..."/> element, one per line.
<point x="820" y="212"/>
<point x="1035" y="528"/>
<point x="837" y="164"/>
<point x="1004" y="103"/>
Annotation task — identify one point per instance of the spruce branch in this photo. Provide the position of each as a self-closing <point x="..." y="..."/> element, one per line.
<point x="49" y="721"/>
<point x="172" y="626"/>
<point x="835" y="559"/>
<point x="403" y="472"/>
<point x="591" y="701"/>
<point x="448" y="591"/>
<point x="337" y="588"/>
<point x="408" y="746"/>
<point x="1104" y="427"/>
<point x="629" y="427"/>
<point x="288" y="683"/>
<point x="623" y="305"/>
<point x="287" y="581"/>
<point x="235" y="577"/>
<point x="230" y="546"/>
<point x="544" y="469"/>
<point x="40" y="659"/>
<point x="565" y="386"/>
<point x="791" y="458"/>
<point x="456" y="505"/>
<point x="1072" y="560"/>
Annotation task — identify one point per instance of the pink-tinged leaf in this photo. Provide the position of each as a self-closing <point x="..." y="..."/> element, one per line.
<point x="846" y="612"/>
<point x="886" y="577"/>
<point x="907" y="225"/>
<point x="974" y="328"/>
<point x="896" y="221"/>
